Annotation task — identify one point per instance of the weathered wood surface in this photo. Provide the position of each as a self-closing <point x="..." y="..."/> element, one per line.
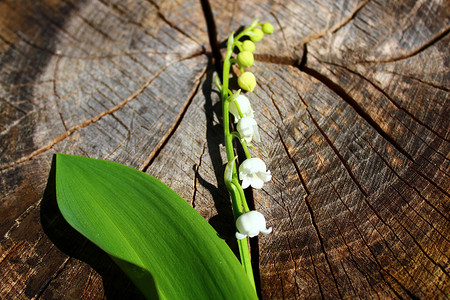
<point x="353" y="106"/>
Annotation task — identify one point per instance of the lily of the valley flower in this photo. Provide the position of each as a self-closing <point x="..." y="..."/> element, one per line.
<point x="244" y="106"/>
<point x="248" y="129"/>
<point x="251" y="224"/>
<point x="253" y="172"/>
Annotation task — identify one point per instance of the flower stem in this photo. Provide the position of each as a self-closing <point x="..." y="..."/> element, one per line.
<point x="246" y="261"/>
<point x="244" y="146"/>
<point x="237" y="194"/>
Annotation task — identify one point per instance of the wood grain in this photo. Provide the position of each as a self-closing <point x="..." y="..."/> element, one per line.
<point x="353" y="108"/>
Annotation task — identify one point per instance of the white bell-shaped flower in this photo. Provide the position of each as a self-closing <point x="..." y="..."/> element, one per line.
<point x="248" y="129"/>
<point x="253" y="172"/>
<point x="251" y="224"/>
<point x="244" y="106"/>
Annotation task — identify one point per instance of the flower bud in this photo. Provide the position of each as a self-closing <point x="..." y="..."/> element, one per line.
<point x="267" y="28"/>
<point x="256" y="35"/>
<point x="247" y="81"/>
<point x="248" y="45"/>
<point x="245" y="59"/>
<point x="251" y="224"/>
<point x="244" y="106"/>
<point x="253" y="172"/>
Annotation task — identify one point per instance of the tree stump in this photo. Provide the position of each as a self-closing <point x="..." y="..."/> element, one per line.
<point x="353" y="108"/>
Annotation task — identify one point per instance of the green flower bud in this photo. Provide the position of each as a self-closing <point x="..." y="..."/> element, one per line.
<point x="248" y="45"/>
<point x="256" y="35"/>
<point x="245" y="59"/>
<point x="267" y="28"/>
<point x="247" y="81"/>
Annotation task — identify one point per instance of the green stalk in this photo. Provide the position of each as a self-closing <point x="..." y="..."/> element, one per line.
<point x="237" y="195"/>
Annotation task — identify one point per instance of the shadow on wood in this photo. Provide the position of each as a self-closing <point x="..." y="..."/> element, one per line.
<point x="115" y="282"/>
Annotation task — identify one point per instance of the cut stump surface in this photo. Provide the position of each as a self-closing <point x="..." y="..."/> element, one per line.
<point x="353" y="108"/>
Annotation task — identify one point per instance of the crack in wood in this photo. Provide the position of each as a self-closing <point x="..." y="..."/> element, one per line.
<point x="33" y="45"/>
<point x="88" y="122"/>
<point x="14" y="106"/>
<point x="19" y="219"/>
<point x="301" y="65"/>
<point x="338" y="154"/>
<point x="444" y="237"/>
<point x="280" y="277"/>
<point x="10" y="251"/>
<point x="352" y="222"/>
<point x="178" y="29"/>
<point x="291" y="254"/>
<point x="196" y="175"/>
<point x="395" y="234"/>
<point x="311" y="212"/>
<point x="315" y="274"/>
<point x="422" y="250"/>
<point x="165" y="139"/>
<point x="381" y="270"/>
<point x="300" y="176"/>
<point x="168" y="22"/>
<point x="397" y="105"/>
<point x="367" y="276"/>
<point x="434" y="85"/>
<point x="120" y="144"/>
<point x="348" y="278"/>
<point x="337" y="26"/>
<point x="88" y="22"/>
<point x="335" y="150"/>
<point x="439" y="36"/>
<point x="116" y="55"/>
<point x="393" y="252"/>
<point x="275" y="104"/>
<point x="431" y="181"/>
<point x="121" y="12"/>
<point x="354" y="217"/>
<point x="376" y="229"/>
<point x="355" y="105"/>
<point x="277" y="59"/>
<point x="53" y="277"/>
<point x="405" y="289"/>
<point x="88" y="282"/>
<point x="281" y="29"/>
<point x="410" y="186"/>
<point x="25" y="84"/>
<point x="291" y="223"/>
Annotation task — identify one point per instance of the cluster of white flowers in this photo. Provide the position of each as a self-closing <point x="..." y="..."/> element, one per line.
<point x="246" y="125"/>
<point x="252" y="171"/>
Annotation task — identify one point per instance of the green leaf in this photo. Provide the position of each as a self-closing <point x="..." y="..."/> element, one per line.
<point x="161" y="243"/>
